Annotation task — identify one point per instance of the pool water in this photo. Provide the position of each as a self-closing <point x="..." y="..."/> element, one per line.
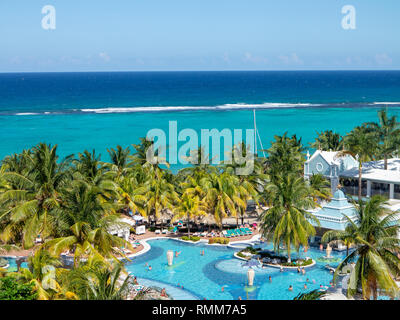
<point x="204" y="276"/>
<point x="13" y="266"/>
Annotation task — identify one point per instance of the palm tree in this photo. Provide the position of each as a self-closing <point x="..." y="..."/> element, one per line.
<point x="320" y="187"/>
<point x="119" y="160"/>
<point x="362" y="144"/>
<point x="189" y="207"/>
<point x="43" y="275"/>
<point x="159" y="193"/>
<point x="285" y="156"/>
<point x="32" y="194"/>
<point x="99" y="281"/>
<point x="312" y="295"/>
<point x="328" y="141"/>
<point x="221" y="193"/>
<point x="388" y="131"/>
<point x="287" y="220"/>
<point x="375" y="238"/>
<point x="84" y="223"/>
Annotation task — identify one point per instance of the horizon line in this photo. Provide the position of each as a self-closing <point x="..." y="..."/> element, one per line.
<point x="160" y="71"/>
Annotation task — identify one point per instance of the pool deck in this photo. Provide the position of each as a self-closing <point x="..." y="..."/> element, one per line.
<point x="144" y="246"/>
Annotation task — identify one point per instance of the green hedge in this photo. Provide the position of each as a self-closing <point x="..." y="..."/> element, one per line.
<point x="218" y="240"/>
<point x="191" y="238"/>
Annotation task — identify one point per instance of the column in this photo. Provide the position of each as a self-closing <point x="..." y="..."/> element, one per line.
<point x="369" y="183"/>
<point x="391" y="191"/>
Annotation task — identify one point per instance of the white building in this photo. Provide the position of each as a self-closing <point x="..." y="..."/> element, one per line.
<point x="344" y="170"/>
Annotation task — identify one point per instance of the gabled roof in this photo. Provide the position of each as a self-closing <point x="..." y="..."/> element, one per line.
<point x="331" y="157"/>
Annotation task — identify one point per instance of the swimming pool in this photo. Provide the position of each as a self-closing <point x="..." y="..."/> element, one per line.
<point x="204" y="276"/>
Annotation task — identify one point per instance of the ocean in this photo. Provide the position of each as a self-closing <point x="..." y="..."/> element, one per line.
<point x="80" y="111"/>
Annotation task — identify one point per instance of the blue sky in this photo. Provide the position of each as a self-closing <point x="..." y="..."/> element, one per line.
<point x="144" y="35"/>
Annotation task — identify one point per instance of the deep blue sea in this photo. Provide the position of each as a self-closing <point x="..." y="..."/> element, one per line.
<point x="81" y="111"/>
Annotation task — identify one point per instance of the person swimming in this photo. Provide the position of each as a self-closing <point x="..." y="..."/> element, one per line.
<point x="308" y="280"/>
<point x="270" y="279"/>
<point x="222" y="289"/>
<point x="281" y="269"/>
<point x="290" y="288"/>
<point x="150" y="268"/>
<point x="305" y="286"/>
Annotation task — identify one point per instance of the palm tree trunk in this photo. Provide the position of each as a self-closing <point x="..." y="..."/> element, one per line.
<point x="360" y="182"/>
<point x="288" y="251"/>
<point x="188" y="225"/>
<point x="385" y="162"/>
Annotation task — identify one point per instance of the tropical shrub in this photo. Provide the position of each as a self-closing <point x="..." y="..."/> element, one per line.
<point x="191" y="238"/>
<point x="218" y="240"/>
<point x="11" y="289"/>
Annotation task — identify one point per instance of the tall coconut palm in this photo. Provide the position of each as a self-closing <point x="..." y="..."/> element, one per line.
<point x="120" y="162"/>
<point x="221" y="193"/>
<point x="375" y="237"/>
<point x="159" y="193"/>
<point x="189" y="207"/>
<point x="388" y="132"/>
<point x="362" y="144"/>
<point x="31" y="195"/>
<point x="285" y="156"/>
<point x="85" y="222"/>
<point x="99" y="281"/>
<point x="328" y="141"/>
<point x="287" y="220"/>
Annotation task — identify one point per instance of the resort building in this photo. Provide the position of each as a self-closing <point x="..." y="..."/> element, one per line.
<point x="329" y="164"/>
<point x="344" y="170"/>
<point x="332" y="215"/>
<point x="375" y="179"/>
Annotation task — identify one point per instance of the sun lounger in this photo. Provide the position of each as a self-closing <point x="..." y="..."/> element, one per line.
<point x="164" y="231"/>
<point x="158" y="231"/>
<point x="203" y="234"/>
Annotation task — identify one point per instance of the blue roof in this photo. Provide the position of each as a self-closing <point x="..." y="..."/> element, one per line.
<point x="332" y="215"/>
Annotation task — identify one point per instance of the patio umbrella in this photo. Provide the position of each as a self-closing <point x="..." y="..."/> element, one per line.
<point x="251" y="263"/>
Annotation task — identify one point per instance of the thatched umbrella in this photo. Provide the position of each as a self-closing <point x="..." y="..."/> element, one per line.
<point x="208" y="219"/>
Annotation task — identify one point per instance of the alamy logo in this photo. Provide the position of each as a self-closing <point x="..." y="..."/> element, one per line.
<point x="235" y="149"/>
<point x="49" y="20"/>
<point x="349" y="20"/>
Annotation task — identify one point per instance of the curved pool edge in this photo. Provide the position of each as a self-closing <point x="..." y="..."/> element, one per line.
<point x="147" y="247"/>
<point x="175" y="292"/>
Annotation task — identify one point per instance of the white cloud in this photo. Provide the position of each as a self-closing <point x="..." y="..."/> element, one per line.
<point x="291" y="59"/>
<point x="104" y="56"/>
<point x="248" y="57"/>
<point x="383" y="59"/>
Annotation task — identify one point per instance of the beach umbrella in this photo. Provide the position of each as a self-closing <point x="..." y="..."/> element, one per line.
<point x="251" y="263"/>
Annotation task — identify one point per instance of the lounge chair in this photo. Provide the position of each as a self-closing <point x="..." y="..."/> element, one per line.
<point x="158" y="231"/>
<point x="165" y="231"/>
<point x="225" y="234"/>
<point x="248" y="231"/>
<point x="203" y="234"/>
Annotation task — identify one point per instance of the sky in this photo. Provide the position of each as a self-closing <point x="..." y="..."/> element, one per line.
<point x="162" y="35"/>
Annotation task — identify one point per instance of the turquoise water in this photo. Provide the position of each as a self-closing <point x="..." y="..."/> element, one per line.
<point x="74" y="133"/>
<point x="205" y="275"/>
<point x="81" y="111"/>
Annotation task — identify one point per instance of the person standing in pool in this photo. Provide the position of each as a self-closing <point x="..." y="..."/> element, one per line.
<point x="290" y="288"/>
<point x="270" y="279"/>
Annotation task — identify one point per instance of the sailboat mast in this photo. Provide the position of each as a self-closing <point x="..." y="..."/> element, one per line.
<point x="255" y="132"/>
